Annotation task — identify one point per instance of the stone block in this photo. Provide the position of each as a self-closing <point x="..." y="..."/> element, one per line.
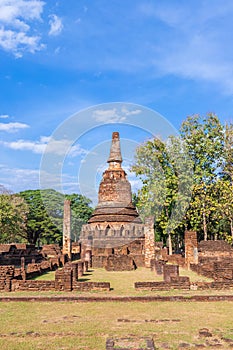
<point x="119" y="263"/>
<point x="170" y="271"/>
<point x="157" y="266"/>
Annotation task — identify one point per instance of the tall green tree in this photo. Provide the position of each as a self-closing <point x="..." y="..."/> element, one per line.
<point x="209" y="147"/>
<point x="166" y="174"/>
<point x="44" y="219"/>
<point x="204" y="138"/>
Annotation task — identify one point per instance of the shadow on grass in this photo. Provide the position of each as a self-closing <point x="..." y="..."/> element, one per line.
<point x="83" y="279"/>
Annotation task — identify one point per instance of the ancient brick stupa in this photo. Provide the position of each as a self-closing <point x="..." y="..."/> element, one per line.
<point x="115" y="221"/>
<point x="115" y="197"/>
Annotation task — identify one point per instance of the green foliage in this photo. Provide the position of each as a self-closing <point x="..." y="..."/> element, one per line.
<point x="44" y="220"/>
<point x="206" y="147"/>
<point x="45" y="217"/>
<point x="166" y="173"/>
<point x="228" y="152"/>
<point x="204" y="138"/>
<point x="224" y="210"/>
<point x="37" y="215"/>
<point x="13" y="212"/>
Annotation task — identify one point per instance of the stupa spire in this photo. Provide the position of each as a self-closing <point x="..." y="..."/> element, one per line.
<point x="115" y="151"/>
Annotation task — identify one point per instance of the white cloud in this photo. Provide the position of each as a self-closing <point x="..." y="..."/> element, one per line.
<point x="18" y="42"/>
<point x="108" y="116"/>
<point x="4" y="116"/>
<point x="77" y="150"/>
<point x="21" y="179"/>
<point x="63" y="147"/>
<point x="195" y="43"/>
<point x="46" y="144"/>
<point x="199" y="58"/>
<point x="45" y="139"/>
<point x="13" y="12"/>
<point x="16" y="34"/>
<point x="56" y="25"/>
<point x="128" y="112"/>
<point x="113" y="115"/>
<point x="22" y="145"/>
<point x="16" y="179"/>
<point x="12" y="127"/>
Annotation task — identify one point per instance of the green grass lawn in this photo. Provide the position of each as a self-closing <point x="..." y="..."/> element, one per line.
<point x="48" y="276"/>
<point x="70" y="325"/>
<point x="83" y="326"/>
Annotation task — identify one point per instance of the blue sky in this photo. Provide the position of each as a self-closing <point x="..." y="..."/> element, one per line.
<point x="60" y="58"/>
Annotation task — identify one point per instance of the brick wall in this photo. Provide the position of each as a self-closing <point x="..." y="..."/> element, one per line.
<point x="11" y="254"/>
<point x="214" y="246"/>
<point x="119" y="263"/>
<point x="176" y="259"/>
<point x="88" y="286"/>
<point x="53" y="252"/>
<point x="99" y="261"/>
<point x="181" y="283"/>
<point x="213" y="285"/>
<point x="139" y="260"/>
<point x="66" y="279"/>
<point x="36" y="269"/>
<point x="33" y="286"/>
<point x="221" y="270"/>
<point x="63" y="279"/>
<point x="6" y="276"/>
<point x="205" y="269"/>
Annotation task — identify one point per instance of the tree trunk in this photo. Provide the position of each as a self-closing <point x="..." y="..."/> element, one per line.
<point x="169" y="244"/>
<point x="204" y="226"/>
